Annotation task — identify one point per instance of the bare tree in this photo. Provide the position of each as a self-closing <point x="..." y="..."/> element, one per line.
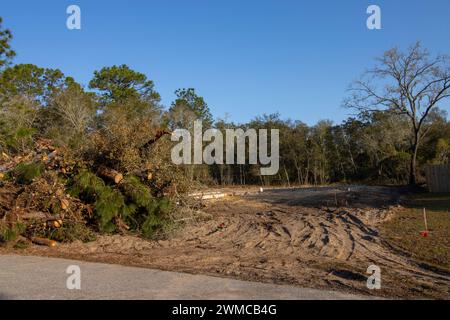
<point x="408" y="83"/>
<point x="74" y="108"/>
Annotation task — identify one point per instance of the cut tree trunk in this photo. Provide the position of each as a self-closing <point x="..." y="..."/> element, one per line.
<point x="44" y="242"/>
<point x="36" y="215"/>
<point x="159" y="134"/>
<point x="143" y="174"/>
<point x="110" y="174"/>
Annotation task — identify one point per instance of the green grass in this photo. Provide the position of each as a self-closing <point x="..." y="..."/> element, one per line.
<point x="403" y="230"/>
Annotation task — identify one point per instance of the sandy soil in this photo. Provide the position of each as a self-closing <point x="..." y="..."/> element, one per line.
<point x="317" y="237"/>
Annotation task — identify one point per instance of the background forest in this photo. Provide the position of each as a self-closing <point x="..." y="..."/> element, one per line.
<point x="115" y="118"/>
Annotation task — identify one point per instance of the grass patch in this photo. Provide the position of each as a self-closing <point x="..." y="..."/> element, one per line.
<point x="403" y="230"/>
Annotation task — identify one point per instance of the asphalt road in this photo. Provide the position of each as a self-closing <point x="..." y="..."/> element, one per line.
<point x="46" y="278"/>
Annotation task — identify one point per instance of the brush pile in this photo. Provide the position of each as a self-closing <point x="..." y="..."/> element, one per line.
<point x="50" y="195"/>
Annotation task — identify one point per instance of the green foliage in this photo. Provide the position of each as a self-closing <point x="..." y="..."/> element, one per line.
<point x="6" y="53"/>
<point x="18" y="138"/>
<point x="189" y="102"/>
<point x="136" y="191"/>
<point x="109" y="205"/>
<point x="88" y="185"/>
<point x="133" y="201"/>
<point x="24" y="133"/>
<point x="119" y="83"/>
<point x="10" y="233"/>
<point x="69" y="232"/>
<point x="396" y="168"/>
<point x="156" y="217"/>
<point x="129" y="210"/>
<point x="152" y="224"/>
<point x="442" y="151"/>
<point x="153" y="211"/>
<point x="25" y="173"/>
<point x="18" y="114"/>
<point x="31" y="81"/>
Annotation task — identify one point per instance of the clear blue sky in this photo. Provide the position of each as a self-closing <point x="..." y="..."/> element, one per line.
<point x="245" y="57"/>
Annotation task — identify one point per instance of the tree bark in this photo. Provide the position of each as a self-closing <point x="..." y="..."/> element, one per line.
<point x="110" y="174"/>
<point x="287" y="177"/>
<point x="159" y="134"/>
<point x="413" y="164"/>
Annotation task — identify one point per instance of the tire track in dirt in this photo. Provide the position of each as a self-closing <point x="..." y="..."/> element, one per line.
<point x="344" y="235"/>
<point x="286" y="237"/>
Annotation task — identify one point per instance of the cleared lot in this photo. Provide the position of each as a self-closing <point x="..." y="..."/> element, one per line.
<point x="318" y="237"/>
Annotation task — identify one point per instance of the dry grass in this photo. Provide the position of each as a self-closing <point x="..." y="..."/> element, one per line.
<point x="404" y="230"/>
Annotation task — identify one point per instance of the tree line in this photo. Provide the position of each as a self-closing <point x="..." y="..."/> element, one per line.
<point x="400" y="125"/>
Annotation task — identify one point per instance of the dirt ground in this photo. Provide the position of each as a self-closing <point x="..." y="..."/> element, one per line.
<point x="313" y="237"/>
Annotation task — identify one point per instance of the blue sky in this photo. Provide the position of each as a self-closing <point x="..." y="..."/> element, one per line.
<point x="245" y="57"/>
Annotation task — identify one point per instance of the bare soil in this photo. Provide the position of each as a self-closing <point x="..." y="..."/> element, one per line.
<point x="312" y="237"/>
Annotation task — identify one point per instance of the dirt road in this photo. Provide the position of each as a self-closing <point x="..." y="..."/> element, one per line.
<point x="322" y="238"/>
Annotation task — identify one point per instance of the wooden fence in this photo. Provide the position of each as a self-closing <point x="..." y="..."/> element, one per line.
<point x="438" y="178"/>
